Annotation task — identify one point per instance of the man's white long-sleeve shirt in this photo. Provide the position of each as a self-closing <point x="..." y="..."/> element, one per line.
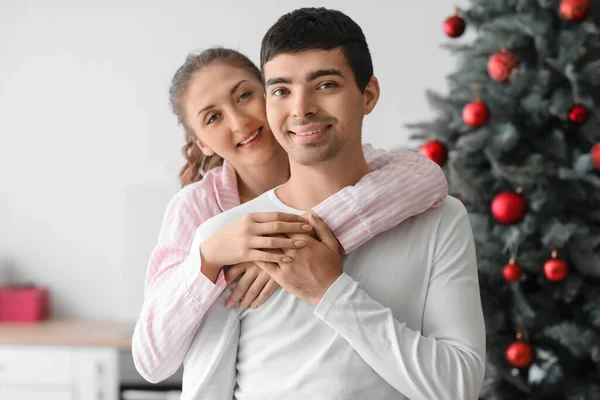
<point x="404" y="320"/>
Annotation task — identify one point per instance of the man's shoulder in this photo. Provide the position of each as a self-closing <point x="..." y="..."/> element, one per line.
<point x="431" y="229"/>
<point x="452" y="207"/>
<point x="447" y="213"/>
<point x="442" y="223"/>
<point x="429" y="224"/>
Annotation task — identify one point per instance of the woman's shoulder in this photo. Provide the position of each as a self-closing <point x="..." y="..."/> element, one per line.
<point x="200" y="197"/>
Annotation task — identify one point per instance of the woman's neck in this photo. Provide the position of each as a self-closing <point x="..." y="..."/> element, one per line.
<point x="255" y="180"/>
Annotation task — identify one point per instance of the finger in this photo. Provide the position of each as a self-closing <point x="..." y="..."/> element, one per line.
<point x="302" y="236"/>
<point x="267" y="291"/>
<point x="275" y="227"/>
<point x="241" y="288"/>
<point x="265" y="256"/>
<point x="270" y="268"/>
<point x="254" y="290"/>
<point x="261" y="242"/>
<point x="323" y="232"/>
<point x="235" y="271"/>
<point x="273" y="251"/>
<point x="275" y="216"/>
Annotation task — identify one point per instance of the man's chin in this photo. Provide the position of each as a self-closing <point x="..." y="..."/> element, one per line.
<point x="312" y="155"/>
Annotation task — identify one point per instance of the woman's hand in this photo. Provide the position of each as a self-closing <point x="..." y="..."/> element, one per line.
<point x="247" y="239"/>
<point x="313" y="269"/>
<point x="254" y="287"/>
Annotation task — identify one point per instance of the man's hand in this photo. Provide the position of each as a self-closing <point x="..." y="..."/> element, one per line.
<point x="313" y="268"/>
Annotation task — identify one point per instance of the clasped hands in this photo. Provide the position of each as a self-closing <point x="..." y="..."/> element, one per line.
<point x="262" y="251"/>
<point x="307" y="272"/>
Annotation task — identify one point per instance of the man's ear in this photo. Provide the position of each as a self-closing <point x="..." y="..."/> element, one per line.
<point x="371" y="95"/>
<point x="207" y="151"/>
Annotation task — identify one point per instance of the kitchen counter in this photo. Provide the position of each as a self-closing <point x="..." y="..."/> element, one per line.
<point x="68" y="333"/>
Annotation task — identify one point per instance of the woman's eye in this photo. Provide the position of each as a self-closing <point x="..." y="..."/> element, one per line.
<point x="280" y="92"/>
<point x="212" y="118"/>
<point x="245" y="95"/>
<point x="328" y="85"/>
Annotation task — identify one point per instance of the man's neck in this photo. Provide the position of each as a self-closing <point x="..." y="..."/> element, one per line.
<point x="310" y="185"/>
<point x="256" y="179"/>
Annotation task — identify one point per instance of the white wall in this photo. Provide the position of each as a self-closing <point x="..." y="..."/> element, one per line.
<point x="89" y="150"/>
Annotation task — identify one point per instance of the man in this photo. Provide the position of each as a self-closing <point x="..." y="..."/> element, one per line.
<point x="398" y="318"/>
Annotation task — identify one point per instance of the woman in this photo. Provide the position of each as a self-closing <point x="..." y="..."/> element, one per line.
<point x="232" y="157"/>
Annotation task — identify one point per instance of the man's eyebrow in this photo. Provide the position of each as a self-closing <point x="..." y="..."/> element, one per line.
<point x="277" y="81"/>
<point x="311" y="76"/>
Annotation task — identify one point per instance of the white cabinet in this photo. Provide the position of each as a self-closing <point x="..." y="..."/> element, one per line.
<point x="58" y="373"/>
<point x="27" y="365"/>
<point x="97" y="374"/>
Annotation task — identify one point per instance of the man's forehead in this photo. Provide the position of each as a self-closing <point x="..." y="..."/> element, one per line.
<point x="299" y="64"/>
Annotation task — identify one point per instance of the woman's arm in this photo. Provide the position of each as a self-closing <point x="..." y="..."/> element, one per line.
<point x="184" y="278"/>
<point x="403" y="184"/>
<point x="177" y="294"/>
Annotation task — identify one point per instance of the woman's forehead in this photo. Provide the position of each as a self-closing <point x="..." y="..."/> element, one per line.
<point x="221" y="79"/>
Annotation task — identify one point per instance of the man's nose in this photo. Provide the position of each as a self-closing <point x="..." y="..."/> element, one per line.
<point x="303" y="105"/>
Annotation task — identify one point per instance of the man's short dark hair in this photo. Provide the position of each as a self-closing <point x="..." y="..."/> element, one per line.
<point x="320" y="29"/>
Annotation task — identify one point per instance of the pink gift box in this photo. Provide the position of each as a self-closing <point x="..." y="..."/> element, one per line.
<point x="27" y="304"/>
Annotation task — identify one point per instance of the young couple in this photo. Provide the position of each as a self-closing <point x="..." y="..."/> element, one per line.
<point x="355" y="276"/>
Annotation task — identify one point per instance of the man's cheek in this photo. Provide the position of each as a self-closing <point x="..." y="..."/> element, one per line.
<point x="275" y="122"/>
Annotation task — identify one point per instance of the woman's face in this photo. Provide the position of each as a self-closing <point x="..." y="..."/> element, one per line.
<point x="225" y="107"/>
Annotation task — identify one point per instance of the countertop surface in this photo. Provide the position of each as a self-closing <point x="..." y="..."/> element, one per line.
<point x="68" y="333"/>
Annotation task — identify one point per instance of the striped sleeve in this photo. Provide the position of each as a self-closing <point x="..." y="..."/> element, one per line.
<point x="403" y="184"/>
<point x="177" y="294"/>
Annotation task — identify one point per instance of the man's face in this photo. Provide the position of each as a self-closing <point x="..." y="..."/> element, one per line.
<point x="314" y="107"/>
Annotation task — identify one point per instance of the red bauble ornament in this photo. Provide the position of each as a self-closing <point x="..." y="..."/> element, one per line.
<point x="512" y="271"/>
<point x="501" y="65"/>
<point x="556" y="269"/>
<point x="509" y="207"/>
<point x="574" y="10"/>
<point x="476" y="114"/>
<point x="596" y="156"/>
<point x="579" y="114"/>
<point x="454" y="26"/>
<point x="519" y="354"/>
<point x="435" y="151"/>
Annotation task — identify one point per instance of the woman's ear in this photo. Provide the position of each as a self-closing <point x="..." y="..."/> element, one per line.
<point x="207" y="151"/>
<point x="371" y="95"/>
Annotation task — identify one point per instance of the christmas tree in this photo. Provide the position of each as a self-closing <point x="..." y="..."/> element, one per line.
<point x="518" y="136"/>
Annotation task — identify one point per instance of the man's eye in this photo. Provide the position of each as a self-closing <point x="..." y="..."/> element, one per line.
<point x="280" y="92"/>
<point x="328" y="85"/>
